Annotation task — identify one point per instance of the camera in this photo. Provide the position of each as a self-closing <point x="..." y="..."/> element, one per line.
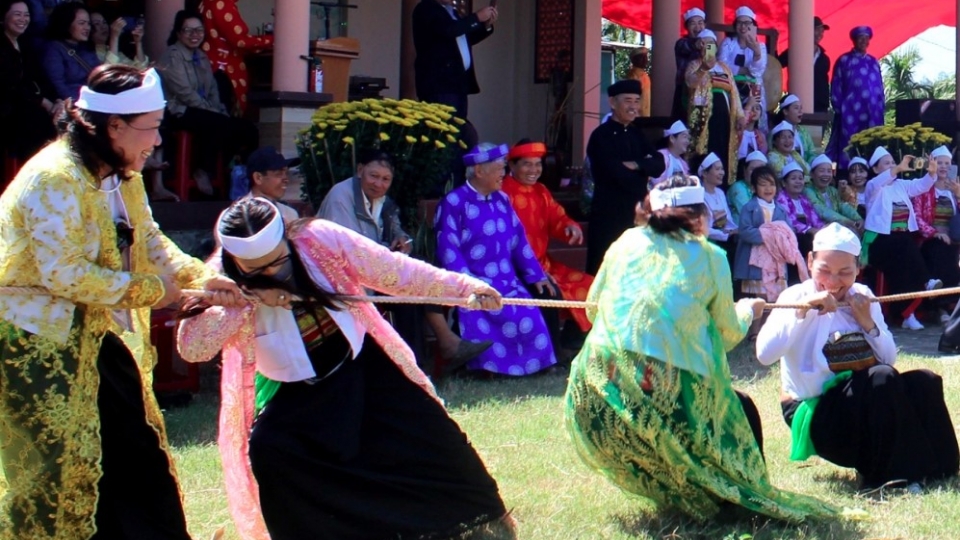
<point x="133" y="23"/>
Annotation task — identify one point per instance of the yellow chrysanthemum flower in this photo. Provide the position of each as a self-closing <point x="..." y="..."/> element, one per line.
<point x="410" y="139"/>
<point x="384" y="136"/>
<point x="439" y="145"/>
<point x="462" y="144"/>
<point x="451" y="138"/>
<point x="348" y="140"/>
<point x="424" y="139"/>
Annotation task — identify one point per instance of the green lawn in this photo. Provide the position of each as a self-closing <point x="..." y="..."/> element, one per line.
<point x="517" y="426"/>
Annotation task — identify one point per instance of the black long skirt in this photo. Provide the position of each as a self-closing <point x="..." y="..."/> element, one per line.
<point x="887" y="425"/>
<point x="718" y="140"/>
<point x="138" y="498"/>
<point x="366" y="454"/>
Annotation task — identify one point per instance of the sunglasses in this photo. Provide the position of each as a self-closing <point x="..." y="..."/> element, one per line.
<point x="279" y="261"/>
<point x="124" y="235"/>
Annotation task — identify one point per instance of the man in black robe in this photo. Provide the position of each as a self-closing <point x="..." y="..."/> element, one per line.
<point x="621" y="160"/>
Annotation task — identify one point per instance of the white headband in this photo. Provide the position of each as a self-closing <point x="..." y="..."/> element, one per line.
<point x="757" y="155"/>
<point x="258" y="245"/>
<point x="782" y="126"/>
<point x="858" y="161"/>
<point x="788" y="101"/>
<point x="789" y="168"/>
<point x="744" y="11"/>
<point x="940" y="151"/>
<point x="822" y="159"/>
<point x="836" y="237"/>
<point x="878" y="155"/>
<point x="695" y="12"/>
<point x="707" y="34"/>
<point x="708" y="162"/>
<point x="676" y="128"/>
<point x="678" y="196"/>
<point x="147" y="97"/>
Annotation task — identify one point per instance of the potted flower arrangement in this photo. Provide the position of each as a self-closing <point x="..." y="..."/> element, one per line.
<point x="914" y="139"/>
<point x="421" y="137"/>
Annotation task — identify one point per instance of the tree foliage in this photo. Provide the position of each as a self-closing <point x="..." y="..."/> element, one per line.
<point x="900" y="82"/>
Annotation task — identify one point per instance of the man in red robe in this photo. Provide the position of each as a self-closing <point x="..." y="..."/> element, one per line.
<point x="543" y="218"/>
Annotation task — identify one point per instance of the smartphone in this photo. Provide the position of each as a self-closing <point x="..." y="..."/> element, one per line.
<point x="710" y="52"/>
<point x="740" y="60"/>
<point x="952" y="173"/>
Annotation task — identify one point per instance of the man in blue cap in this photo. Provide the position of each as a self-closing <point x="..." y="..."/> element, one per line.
<point x="267" y="170"/>
<point x="621" y="160"/>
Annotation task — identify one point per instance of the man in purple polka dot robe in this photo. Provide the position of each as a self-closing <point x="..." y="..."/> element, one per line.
<point x="856" y="94"/>
<point x="479" y="234"/>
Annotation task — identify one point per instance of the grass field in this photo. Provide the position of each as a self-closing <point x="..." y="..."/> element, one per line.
<point x="517" y="426"/>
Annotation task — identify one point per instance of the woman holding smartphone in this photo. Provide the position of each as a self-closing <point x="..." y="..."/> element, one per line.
<point x="747" y="57"/>
<point x="936" y="209"/>
<point x="715" y="111"/>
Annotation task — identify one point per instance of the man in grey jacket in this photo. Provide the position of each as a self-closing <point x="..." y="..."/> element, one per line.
<point x="360" y="203"/>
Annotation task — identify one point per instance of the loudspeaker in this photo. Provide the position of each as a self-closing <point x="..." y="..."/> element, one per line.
<point x="940" y="114"/>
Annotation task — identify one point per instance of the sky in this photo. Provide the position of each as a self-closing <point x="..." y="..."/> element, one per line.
<point x="937" y="47"/>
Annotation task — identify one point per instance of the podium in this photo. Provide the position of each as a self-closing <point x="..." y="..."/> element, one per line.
<point x="335" y="55"/>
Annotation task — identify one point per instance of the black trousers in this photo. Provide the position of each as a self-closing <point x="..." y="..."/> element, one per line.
<point x="942" y="259"/>
<point x="898" y="256"/>
<point x="887" y="425"/>
<point x="753" y="417"/>
<point x="366" y="454"/>
<point x="138" y="496"/>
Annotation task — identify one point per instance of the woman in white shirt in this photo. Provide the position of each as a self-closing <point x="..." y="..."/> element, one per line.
<point x="841" y="395"/>
<point x="675" y="142"/>
<point x="722" y="227"/>
<point x="747" y="57"/>
<point x="892" y="231"/>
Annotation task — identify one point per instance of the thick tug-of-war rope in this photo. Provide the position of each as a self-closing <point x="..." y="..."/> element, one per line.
<point x="473" y="303"/>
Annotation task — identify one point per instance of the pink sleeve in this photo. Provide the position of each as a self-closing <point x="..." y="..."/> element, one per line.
<point x="390" y="272"/>
<point x="200" y="338"/>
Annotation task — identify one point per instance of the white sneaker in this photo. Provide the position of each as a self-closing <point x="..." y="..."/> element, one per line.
<point x="944" y="317"/>
<point x="911" y="323"/>
<point x="934" y="284"/>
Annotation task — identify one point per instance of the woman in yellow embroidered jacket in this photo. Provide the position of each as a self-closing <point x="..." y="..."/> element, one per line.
<point x="82" y="440"/>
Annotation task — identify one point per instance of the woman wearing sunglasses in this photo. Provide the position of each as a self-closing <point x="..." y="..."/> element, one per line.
<point x="328" y="429"/>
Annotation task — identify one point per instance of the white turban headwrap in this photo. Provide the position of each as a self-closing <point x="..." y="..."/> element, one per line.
<point x="258" y="245"/>
<point x="147" y="97"/>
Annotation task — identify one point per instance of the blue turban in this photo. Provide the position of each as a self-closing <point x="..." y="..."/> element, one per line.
<point x="861" y="30"/>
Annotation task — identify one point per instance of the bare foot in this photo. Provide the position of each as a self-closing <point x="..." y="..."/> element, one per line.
<point x="203" y="181"/>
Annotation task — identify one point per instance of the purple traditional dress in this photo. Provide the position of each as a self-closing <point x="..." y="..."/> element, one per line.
<point x="857" y="97"/>
<point x="482" y="236"/>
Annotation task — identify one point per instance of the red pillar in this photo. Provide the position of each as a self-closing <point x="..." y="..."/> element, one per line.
<point x="801" y="51"/>
<point x="666" y="32"/>
<point x="291" y="41"/>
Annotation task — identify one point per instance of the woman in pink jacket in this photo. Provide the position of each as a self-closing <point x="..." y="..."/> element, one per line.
<point x="327" y="427"/>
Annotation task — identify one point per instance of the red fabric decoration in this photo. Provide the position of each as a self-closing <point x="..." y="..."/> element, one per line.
<point x="890" y="19"/>
<point x="228" y="41"/>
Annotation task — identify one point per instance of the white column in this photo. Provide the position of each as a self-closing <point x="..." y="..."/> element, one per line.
<point x="585" y="110"/>
<point x="158" y="18"/>
<point x="800" y="70"/>
<point x="666" y="32"/>
<point x="291" y="41"/>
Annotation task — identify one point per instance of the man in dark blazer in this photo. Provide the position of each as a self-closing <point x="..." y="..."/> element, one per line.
<point x="821" y="68"/>
<point x="443" y="40"/>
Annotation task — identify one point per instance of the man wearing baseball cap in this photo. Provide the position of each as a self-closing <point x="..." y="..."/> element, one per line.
<point x="821" y="67"/>
<point x="267" y="170"/>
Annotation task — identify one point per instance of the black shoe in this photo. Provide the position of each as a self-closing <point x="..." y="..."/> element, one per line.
<point x="466" y="351"/>
<point x="946" y="348"/>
